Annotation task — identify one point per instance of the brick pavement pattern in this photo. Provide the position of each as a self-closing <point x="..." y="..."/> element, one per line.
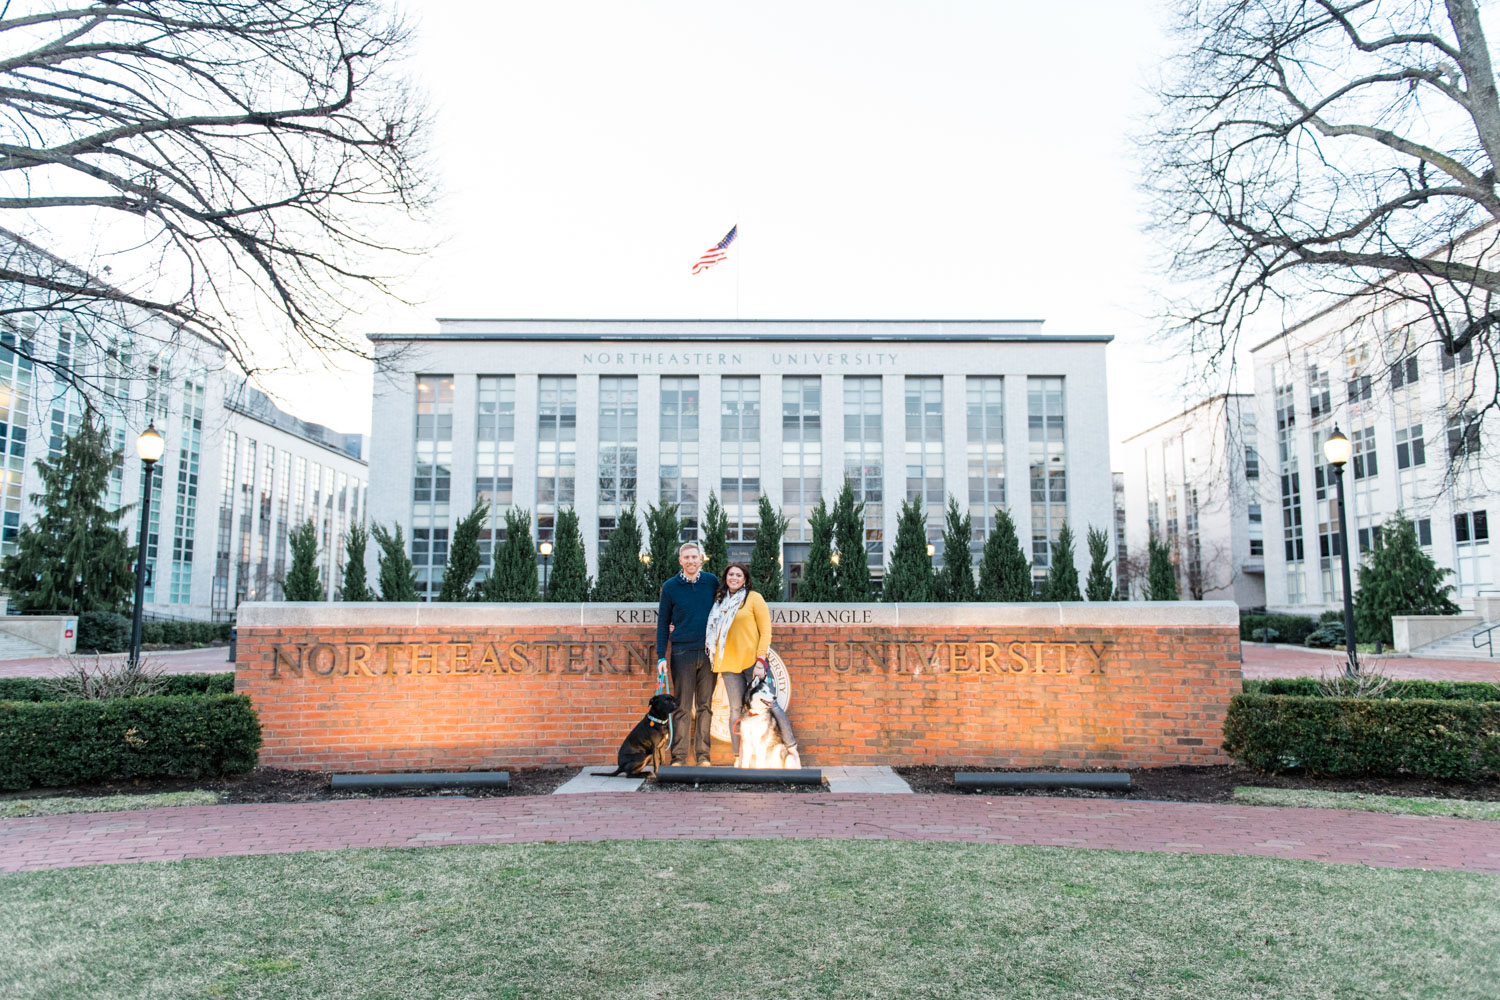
<point x="1175" y="827"/>
<point x="1265" y="662"/>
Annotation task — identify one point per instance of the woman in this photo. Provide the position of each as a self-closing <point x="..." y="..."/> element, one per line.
<point x="738" y="640"/>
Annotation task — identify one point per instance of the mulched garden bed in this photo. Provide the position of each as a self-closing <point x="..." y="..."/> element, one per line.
<point x="1209" y="784"/>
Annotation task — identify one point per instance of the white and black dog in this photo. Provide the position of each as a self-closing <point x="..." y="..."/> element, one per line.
<point x="760" y="738"/>
<point x="647" y="742"/>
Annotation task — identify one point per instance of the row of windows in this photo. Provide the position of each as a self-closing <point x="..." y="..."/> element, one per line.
<point x="740" y="474"/>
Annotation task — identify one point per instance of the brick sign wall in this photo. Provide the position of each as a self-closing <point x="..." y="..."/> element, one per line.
<point x="396" y="687"/>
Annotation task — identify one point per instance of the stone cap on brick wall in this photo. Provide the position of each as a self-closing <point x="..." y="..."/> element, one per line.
<point x="1108" y="614"/>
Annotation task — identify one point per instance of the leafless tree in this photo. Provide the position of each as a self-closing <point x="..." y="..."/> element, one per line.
<point x="264" y="151"/>
<point x="1310" y="149"/>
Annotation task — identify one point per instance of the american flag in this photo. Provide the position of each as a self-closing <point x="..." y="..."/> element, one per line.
<point x="717" y="252"/>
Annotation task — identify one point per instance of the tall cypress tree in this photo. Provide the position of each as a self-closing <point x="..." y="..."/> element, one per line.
<point x="463" y="556"/>
<point x="1004" y="570"/>
<point x="765" y="561"/>
<point x="664" y="529"/>
<point x="622" y="575"/>
<point x="715" y="533"/>
<point x="853" y="571"/>
<point x="1161" y="578"/>
<point x="302" y="583"/>
<point x="956" y="578"/>
<point x="1062" y="576"/>
<point x="75" y="556"/>
<point x="910" y="575"/>
<point x="356" y="582"/>
<point x="568" y="581"/>
<point x="1101" y="582"/>
<point x="818" y="581"/>
<point x="398" y="577"/>
<point x="514" y="577"/>
<point x="1398" y="578"/>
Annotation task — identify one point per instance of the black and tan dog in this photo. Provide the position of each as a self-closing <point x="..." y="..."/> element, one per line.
<point x="647" y="742"/>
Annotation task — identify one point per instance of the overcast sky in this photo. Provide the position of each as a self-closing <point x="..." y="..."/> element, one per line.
<point x="883" y="160"/>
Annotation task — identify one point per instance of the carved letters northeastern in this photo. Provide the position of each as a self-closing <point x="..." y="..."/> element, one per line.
<point x="912" y="657"/>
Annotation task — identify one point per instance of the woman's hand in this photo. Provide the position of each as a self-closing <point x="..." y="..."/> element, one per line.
<point x="761" y="666"/>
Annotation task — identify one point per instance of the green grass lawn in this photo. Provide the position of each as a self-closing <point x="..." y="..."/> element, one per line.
<point x="1314" y="799"/>
<point x="748" y="919"/>
<point x="59" y="804"/>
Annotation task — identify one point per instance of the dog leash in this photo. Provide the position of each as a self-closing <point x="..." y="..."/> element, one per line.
<point x="661" y="688"/>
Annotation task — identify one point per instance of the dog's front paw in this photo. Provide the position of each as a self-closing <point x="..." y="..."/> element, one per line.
<point x="793" y="760"/>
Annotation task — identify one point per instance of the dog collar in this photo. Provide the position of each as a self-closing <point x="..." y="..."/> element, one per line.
<point x="659" y="722"/>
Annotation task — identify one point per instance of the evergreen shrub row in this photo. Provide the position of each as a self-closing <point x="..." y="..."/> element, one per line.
<point x="184" y="633"/>
<point x="103" y="632"/>
<point x="1292" y="629"/>
<point x="1311" y="687"/>
<point x="59" y="743"/>
<point x="1346" y="737"/>
<point x="176" y="685"/>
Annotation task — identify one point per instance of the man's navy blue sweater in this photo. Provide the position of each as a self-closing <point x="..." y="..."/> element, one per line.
<point x="685" y="607"/>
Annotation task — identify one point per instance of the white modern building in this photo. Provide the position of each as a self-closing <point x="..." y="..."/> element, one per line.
<point x="1193" y="482"/>
<point x="1374" y="367"/>
<point x="236" y="474"/>
<point x="597" y="414"/>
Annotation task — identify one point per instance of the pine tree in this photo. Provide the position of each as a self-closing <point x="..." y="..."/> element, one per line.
<point x="956" y="578"/>
<point x="910" y="577"/>
<point x="568" y="581"/>
<point x="302" y="583"/>
<point x="356" y="582"/>
<point x="765" y="557"/>
<point x="1004" y="571"/>
<point x="1101" y="582"/>
<point x="398" y="577"/>
<point x="1161" y="579"/>
<point x="74" y="557"/>
<point x="463" y="556"/>
<point x="818" y="581"/>
<point x="853" y="571"/>
<point x="513" y="577"/>
<point x="664" y="529"/>
<point x="1062" y="576"/>
<point x="715" y="537"/>
<point x="623" y="577"/>
<point x="1398" y="578"/>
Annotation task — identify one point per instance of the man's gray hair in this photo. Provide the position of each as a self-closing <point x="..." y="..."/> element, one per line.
<point x="692" y="543"/>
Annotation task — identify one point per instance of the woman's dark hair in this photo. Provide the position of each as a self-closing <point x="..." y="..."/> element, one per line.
<point x="724" y="581"/>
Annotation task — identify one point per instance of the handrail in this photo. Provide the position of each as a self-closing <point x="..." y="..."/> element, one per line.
<point x="1489" y="640"/>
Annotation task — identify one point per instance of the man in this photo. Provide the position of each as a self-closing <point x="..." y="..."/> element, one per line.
<point x="686" y="600"/>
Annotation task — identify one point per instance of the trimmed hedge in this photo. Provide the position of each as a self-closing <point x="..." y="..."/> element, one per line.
<point x="1307" y="687"/>
<point x="184" y="633"/>
<point x="1346" y="737"/>
<point x="103" y="632"/>
<point x="1293" y="629"/>
<point x="60" y="743"/>
<point x="43" y="688"/>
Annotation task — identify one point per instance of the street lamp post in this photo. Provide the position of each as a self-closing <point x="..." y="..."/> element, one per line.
<point x="1337" y="451"/>
<point x="546" y="550"/>
<point x="149" y="446"/>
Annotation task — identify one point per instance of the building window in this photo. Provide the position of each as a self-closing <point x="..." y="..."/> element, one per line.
<point x="864" y="462"/>
<point x="985" y="405"/>
<point x="1319" y="402"/>
<point x="1252" y="462"/>
<point x="1410" y="450"/>
<point x="557" y="450"/>
<point x="1463" y="435"/>
<point x="739" y="460"/>
<point x="1296" y="592"/>
<point x="1257" y="531"/>
<point x="1286" y="424"/>
<point x="801" y="452"/>
<point x="494" y="460"/>
<point x="157" y="389"/>
<point x="1359" y="388"/>
<point x="679" y="450"/>
<point x="619" y="409"/>
<point x="1471" y="537"/>
<point x="262" y="589"/>
<point x="1291" y="516"/>
<point x="246" y="505"/>
<point x="1049" y="470"/>
<point x="15" y="403"/>
<point x="184" y="520"/>
<point x="1464" y="356"/>
<point x="1404" y="373"/>
<point x="1368" y="538"/>
<point x="431" y="484"/>
<point x="924" y="450"/>
<point x="283" y="504"/>
<point x="1365" y="464"/>
<point x="227" y="458"/>
<point x="1424" y="531"/>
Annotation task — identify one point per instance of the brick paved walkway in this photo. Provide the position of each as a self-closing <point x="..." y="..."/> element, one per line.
<point x="1264" y="662"/>
<point x="1191" y="828"/>
<point x="209" y="660"/>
